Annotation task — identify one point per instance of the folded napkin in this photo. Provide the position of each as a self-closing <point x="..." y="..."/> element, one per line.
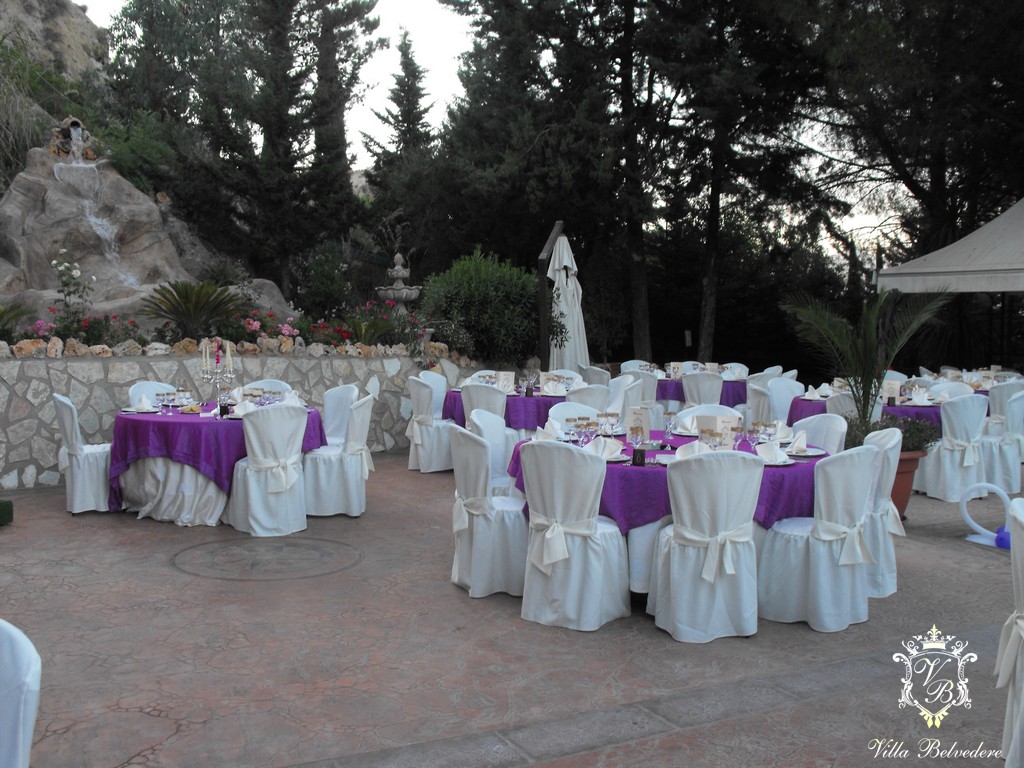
<point x="553" y="388"/>
<point x="799" y="444"/>
<point x="811" y="394"/>
<point x="244" y="407"/>
<point x="577" y="384"/>
<point x="194" y="408"/>
<point x="783" y="431"/>
<point x="988" y="383"/>
<point x="143" y="404"/>
<point x="919" y="397"/>
<point x="942" y="397"/>
<point x="605" y="447"/>
<point x="691" y="449"/>
<point x="772" y="452"/>
<point x="825" y="390"/>
<point x="209" y="414"/>
<point x="547" y="432"/>
<point x="687" y="424"/>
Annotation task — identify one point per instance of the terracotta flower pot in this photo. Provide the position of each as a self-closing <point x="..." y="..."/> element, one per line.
<point x="904" y="481"/>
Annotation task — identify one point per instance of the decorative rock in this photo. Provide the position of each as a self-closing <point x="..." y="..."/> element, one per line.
<point x="351" y="351"/>
<point x="316" y="349"/>
<point x="75" y="348"/>
<point x="399" y="350"/>
<point x="185" y="347"/>
<point x="5" y="349"/>
<point x="300" y="343"/>
<point x="364" y="350"/>
<point x="285" y="345"/>
<point x="55" y="347"/>
<point x="129" y="348"/>
<point x="268" y="346"/>
<point x="156" y="349"/>
<point x="30" y="348"/>
<point x="247" y="349"/>
<point x="100" y="350"/>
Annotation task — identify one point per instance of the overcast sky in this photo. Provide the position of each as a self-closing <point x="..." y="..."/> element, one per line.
<point x="439" y="37"/>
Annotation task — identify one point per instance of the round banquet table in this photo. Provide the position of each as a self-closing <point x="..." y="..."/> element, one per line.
<point x="209" y="445"/>
<point x="520" y="412"/>
<point x="801" y="408"/>
<point x="733" y="392"/>
<point x="635" y="496"/>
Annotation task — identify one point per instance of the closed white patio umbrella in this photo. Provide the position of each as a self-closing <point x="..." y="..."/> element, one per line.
<point x="567" y="301"/>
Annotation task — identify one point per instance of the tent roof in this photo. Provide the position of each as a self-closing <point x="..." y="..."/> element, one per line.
<point x="990" y="259"/>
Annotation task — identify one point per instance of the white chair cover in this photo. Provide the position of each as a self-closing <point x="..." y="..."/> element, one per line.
<point x="702" y="388"/>
<point x="171" y="492"/>
<point x="275" y="385"/>
<point x="577" y="572"/>
<point x="335" y="475"/>
<point x="147" y="389"/>
<point x="998" y="399"/>
<point x="501" y="440"/>
<point x="705" y="410"/>
<point x="781" y="391"/>
<point x="692" y="366"/>
<point x="761" y="379"/>
<point x="704" y="574"/>
<point x="439" y="384"/>
<point x="337" y="407"/>
<point x="883" y="520"/>
<point x="480" y="375"/>
<point x="790" y="374"/>
<point x="738" y="370"/>
<point x="267" y="488"/>
<point x="649" y="396"/>
<point x="594" y="395"/>
<point x="813" y="569"/>
<point x="570" y="377"/>
<point x="773" y="371"/>
<point x="86" y="467"/>
<point x="20" y="674"/>
<point x="562" y="411"/>
<point x="632" y="365"/>
<point x="841" y="404"/>
<point x="825" y="430"/>
<point x="594" y="375"/>
<point x="892" y="375"/>
<point x="491" y="532"/>
<point x="951" y="389"/>
<point x="1010" y="658"/>
<point x="1002" y="452"/>
<point x="617" y="391"/>
<point x="485" y="396"/>
<point x="759" y="405"/>
<point x="957" y="460"/>
<point x="429" y="445"/>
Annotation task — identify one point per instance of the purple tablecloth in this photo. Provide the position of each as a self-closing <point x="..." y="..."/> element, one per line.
<point x="212" y="446"/>
<point x="634" y="496"/>
<point x="520" y="412"/>
<point x="801" y="409"/>
<point x="733" y="392"/>
<point x="932" y="413"/>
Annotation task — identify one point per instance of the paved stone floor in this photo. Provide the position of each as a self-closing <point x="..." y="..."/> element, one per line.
<point x="346" y="646"/>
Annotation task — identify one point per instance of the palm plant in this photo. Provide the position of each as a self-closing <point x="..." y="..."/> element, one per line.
<point x="862" y="352"/>
<point x="10" y="316"/>
<point x="196" y="309"/>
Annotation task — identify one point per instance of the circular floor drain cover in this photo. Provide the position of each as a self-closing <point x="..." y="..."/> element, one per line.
<point x="267" y="559"/>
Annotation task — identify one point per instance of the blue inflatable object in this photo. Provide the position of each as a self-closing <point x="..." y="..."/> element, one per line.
<point x="1002" y="537"/>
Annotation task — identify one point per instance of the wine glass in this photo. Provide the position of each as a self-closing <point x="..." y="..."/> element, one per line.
<point x="636" y="436"/>
<point x="163" y="400"/>
<point x="591" y="430"/>
<point x="670" y="418"/>
<point x="570" y="428"/>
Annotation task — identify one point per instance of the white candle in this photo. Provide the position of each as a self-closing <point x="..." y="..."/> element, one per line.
<point x="228" y="345"/>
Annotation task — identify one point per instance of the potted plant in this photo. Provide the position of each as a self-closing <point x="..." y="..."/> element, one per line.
<point x="918" y="436"/>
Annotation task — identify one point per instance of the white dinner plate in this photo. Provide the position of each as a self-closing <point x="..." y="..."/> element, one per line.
<point x="684" y="434"/>
<point x="140" y="410"/>
<point x="807" y="452"/>
<point x="784" y="463"/>
<point x="619" y="459"/>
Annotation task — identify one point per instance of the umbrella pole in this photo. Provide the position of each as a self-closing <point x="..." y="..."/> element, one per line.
<point x="544" y="297"/>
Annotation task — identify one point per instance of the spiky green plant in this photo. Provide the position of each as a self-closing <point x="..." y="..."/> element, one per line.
<point x="10" y="316"/>
<point x="862" y="352"/>
<point x="195" y="309"/>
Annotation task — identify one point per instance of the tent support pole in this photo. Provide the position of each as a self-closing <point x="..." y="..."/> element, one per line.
<point x="544" y="297"/>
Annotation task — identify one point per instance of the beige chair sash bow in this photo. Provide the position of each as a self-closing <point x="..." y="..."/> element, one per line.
<point x="365" y="459"/>
<point x="63" y="462"/>
<point x="1010" y="640"/>
<point x="893" y="524"/>
<point x="971" y="449"/>
<point x="719" y="547"/>
<point x="282" y="473"/>
<point x="463" y="508"/>
<point x="854" y="547"/>
<point x="550" y="548"/>
<point x="413" y="431"/>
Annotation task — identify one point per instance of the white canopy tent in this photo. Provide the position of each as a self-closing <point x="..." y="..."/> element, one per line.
<point x="989" y="260"/>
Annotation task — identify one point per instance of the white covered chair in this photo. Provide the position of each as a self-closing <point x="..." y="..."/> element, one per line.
<point x="704" y="572"/>
<point x="951" y="389"/>
<point x="702" y="388"/>
<point x="692" y="366"/>
<point x="577" y="571"/>
<point x="738" y="370"/>
<point x="814" y="569"/>
<point x="760" y="380"/>
<point x="841" y="404"/>
<point x="629" y="366"/>
<point x="594" y="395"/>
<point x="267" y="489"/>
<point x="149" y="390"/>
<point x="429" y="445"/>
<point x="824" y="430"/>
<point x="337" y="407"/>
<point x="649" y="396"/>
<point x="86" y="467"/>
<point x="491" y="532"/>
<point x="1001" y="453"/>
<point x="501" y="440"/>
<point x="781" y="391"/>
<point x="335" y="475"/>
<point x="592" y="374"/>
<point x="562" y="411"/>
<point x="479" y="376"/>
<point x="20" y="674"/>
<point x="275" y="385"/>
<point x="998" y="398"/>
<point x="1010" y="657"/>
<point x="484" y="396"/>
<point x="569" y="376"/>
<point x="705" y="410"/>
<point x="891" y="375"/>
<point x="790" y="374"/>
<point x="957" y="460"/>
<point x="773" y="371"/>
<point x="883" y="519"/>
<point x="758" y="405"/>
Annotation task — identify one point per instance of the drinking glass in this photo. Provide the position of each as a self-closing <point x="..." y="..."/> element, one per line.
<point x="570" y="428"/>
<point x="636" y="436"/>
<point x="591" y="431"/>
<point x="670" y="417"/>
<point x="163" y="400"/>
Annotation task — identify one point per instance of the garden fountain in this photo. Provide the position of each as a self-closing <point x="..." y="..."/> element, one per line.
<point x="398" y="291"/>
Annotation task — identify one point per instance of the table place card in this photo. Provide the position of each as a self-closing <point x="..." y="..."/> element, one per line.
<point x="720" y="424"/>
<point x="712" y="367"/>
<point x="675" y="370"/>
<point x="639" y="416"/>
<point x="505" y="381"/>
<point x="890" y="389"/>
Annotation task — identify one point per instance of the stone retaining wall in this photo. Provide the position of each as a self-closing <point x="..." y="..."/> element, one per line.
<point x="30" y="439"/>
